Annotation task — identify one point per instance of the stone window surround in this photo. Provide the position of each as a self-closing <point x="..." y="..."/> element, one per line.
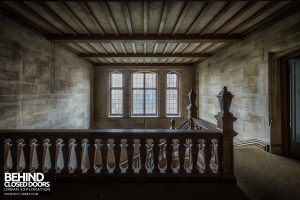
<point x="161" y="107"/>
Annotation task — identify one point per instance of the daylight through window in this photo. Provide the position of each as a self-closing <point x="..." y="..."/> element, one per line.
<point x="116" y="94"/>
<point x="172" y="95"/>
<point x="144" y="94"/>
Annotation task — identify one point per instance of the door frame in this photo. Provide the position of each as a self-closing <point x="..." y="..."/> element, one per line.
<point x="279" y="100"/>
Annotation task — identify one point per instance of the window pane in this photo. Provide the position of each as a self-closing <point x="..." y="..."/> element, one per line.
<point x="138" y="101"/>
<point x="116" y="101"/>
<point x="150" y="80"/>
<point x="172" y="80"/>
<point x="116" y="80"/>
<point x="150" y="102"/>
<point x="138" y="80"/>
<point x="172" y="102"/>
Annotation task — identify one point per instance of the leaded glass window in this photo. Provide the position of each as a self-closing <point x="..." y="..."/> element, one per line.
<point x="116" y="94"/>
<point x="144" y="94"/>
<point x="172" y="94"/>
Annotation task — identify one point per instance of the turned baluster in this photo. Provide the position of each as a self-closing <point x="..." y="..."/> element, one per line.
<point x="181" y="155"/>
<point x="85" y="159"/>
<point x="207" y="155"/>
<point x="117" y="151"/>
<point x="8" y="163"/>
<point x="130" y="150"/>
<point x="72" y="160"/>
<point x="59" y="158"/>
<point x="169" y="152"/>
<point x="21" y="162"/>
<point x="104" y="150"/>
<point x="156" y="149"/>
<point x="33" y="158"/>
<point x="143" y="154"/>
<point x="46" y="156"/>
<point x="98" y="162"/>
<point x="195" y="150"/>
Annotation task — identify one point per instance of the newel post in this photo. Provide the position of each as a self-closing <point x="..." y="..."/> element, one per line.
<point x="225" y="121"/>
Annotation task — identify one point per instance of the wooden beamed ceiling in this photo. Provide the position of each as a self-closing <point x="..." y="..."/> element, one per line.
<point x="146" y="33"/>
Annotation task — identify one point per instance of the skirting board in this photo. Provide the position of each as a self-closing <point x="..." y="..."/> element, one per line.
<point x="253" y="143"/>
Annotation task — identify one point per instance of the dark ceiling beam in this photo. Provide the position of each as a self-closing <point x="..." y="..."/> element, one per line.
<point x="222" y="38"/>
<point x="145" y="65"/>
<point x="142" y="55"/>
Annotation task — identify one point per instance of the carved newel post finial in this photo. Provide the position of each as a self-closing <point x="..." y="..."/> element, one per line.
<point x="192" y="108"/>
<point x="225" y="118"/>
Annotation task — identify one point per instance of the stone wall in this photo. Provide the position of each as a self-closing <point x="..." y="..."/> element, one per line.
<point x="243" y="68"/>
<point x="42" y="85"/>
<point x="102" y="98"/>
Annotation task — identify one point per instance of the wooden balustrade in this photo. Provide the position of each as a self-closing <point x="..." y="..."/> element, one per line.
<point x="197" y="150"/>
<point x="140" y="153"/>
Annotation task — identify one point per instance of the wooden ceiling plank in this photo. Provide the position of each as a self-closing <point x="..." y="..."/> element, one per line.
<point x="24" y="20"/>
<point x="163" y="17"/>
<point x="81" y="48"/>
<point x="113" y="48"/>
<point x="70" y="48"/>
<point x="146" y="14"/>
<point x="217" y="16"/>
<point x="55" y="16"/>
<point x="75" y="18"/>
<point x="147" y="55"/>
<point x="145" y="65"/>
<point x="149" y="38"/>
<point x="127" y="17"/>
<point x="155" y="48"/>
<point x="253" y="16"/>
<point x="196" y="47"/>
<point x="123" y="48"/>
<point x="145" y="48"/>
<point x="92" y="47"/>
<point x="208" y="47"/>
<point x="242" y="11"/>
<point x="133" y="48"/>
<point x="184" y="12"/>
<point x="111" y="20"/>
<point x="84" y="5"/>
<point x="287" y="10"/>
<point x="176" y="48"/>
<point x="166" y="48"/>
<point x="193" y="24"/>
<point x="36" y="15"/>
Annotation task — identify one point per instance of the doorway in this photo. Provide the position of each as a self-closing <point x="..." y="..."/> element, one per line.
<point x="294" y="107"/>
<point x="284" y="102"/>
